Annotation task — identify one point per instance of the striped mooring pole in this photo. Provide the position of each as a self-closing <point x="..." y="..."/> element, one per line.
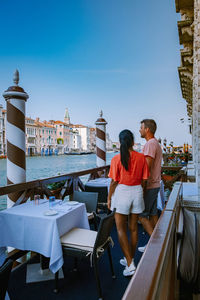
<point x="15" y="97"/>
<point x="101" y="141"/>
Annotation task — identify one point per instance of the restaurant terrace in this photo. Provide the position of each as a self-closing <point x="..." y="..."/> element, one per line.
<point x="35" y="239"/>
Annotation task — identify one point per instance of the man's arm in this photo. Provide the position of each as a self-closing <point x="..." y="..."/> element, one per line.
<point x="112" y="188"/>
<point x="149" y="161"/>
<point x="144" y="185"/>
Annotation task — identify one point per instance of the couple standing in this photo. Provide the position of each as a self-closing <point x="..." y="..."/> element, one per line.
<point x="134" y="189"/>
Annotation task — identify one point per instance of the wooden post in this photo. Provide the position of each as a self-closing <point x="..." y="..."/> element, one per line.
<point x="15" y="97"/>
<point x="101" y="141"/>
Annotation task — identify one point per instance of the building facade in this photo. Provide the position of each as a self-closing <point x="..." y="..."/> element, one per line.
<point x="92" y="137"/>
<point x="63" y="136"/>
<point x="109" y="144"/>
<point x="31" y="147"/>
<point x="189" y="71"/>
<point x="53" y="137"/>
<point x="84" y="133"/>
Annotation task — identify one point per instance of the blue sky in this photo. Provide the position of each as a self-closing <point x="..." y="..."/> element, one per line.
<point x="120" y="56"/>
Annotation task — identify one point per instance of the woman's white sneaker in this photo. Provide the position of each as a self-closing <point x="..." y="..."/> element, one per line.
<point x="129" y="271"/>
<point x="123" y="261"/>
<point x="141" y="249"/>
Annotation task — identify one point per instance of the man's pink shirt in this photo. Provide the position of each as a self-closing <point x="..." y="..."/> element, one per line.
<point x="152" y="148"/>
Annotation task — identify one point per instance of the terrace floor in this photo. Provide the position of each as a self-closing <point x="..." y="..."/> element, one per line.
<point x="77" y="284"/>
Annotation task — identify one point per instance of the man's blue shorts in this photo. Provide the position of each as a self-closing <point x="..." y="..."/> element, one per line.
<point x="150" y="202"/>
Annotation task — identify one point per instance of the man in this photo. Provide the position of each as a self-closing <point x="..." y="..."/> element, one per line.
<point x="153" y="155"/>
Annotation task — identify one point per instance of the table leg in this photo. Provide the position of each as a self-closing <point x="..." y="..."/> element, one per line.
<point x="44" y="263"/>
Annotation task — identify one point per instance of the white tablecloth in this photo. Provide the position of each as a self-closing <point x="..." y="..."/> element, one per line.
<point x="190" y="189"/>
<point x="25" y="227"/>
<point x="99" y="182"/>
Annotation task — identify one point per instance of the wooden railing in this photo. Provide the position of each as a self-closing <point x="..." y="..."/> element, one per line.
<point x="156" y="274"/>
<point x="72" y="183"/>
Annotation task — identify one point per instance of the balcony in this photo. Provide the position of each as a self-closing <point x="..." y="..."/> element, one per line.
<point x="159" y="257"/>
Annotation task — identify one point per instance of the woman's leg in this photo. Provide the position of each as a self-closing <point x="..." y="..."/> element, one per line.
<point x="121" y="223"/>
<point x="133" y="228"/>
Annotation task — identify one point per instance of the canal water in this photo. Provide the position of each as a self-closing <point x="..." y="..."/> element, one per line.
<point x="39" y="167"/>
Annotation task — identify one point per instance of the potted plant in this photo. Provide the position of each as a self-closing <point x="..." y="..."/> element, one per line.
<point x="56" y="188"/>
<point x="169" y="174"/>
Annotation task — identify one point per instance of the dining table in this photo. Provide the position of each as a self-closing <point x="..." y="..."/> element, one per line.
<point x="34" y="227"/>
<point x="100" y="186"/>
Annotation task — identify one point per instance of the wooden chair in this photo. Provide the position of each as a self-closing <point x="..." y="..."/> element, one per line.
<point x="84" y="243"/>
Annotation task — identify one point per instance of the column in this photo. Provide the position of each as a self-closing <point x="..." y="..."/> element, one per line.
<point x="15" y="97"/>
<point x="101" y="141"/>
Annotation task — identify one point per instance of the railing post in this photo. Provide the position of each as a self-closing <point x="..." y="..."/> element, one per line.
<point x="15" y="97"/>
<point x="101" y="141"/>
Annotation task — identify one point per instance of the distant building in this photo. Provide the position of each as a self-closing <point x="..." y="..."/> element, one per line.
<point x="63" y="136"/>
<point x="138" y="147"/>
<point x="31" y="148"/>
<point x="75" y="140"/>
<point x="84" y="132"/>
<point x="116" y="145"/>
<point x="92" y="134"/>
<point x="46" y="137"/>
<point x="109" y="143"/>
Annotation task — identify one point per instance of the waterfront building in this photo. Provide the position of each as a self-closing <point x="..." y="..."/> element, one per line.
<point x="84" y="132"/>
<point x="75" y="140"/>
<point x="116" y="145"/>
<point x="50" y="136"/>
<point x="63" y="136"/>
<point x="138" y="147"/>
<point x="189" y="71"/>
<point x="46" y="137"/>
<point x="109" y="144"/>
<point x="92" y="133"/>
<point x="31" y="147"/>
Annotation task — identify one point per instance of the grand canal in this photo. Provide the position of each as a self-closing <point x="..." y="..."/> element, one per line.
<point x="39" y="167"/>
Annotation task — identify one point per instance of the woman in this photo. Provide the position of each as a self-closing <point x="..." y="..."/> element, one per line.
<point x="127" y="170"/>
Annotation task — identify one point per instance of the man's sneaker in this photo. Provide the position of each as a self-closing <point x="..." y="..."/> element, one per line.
<point x="141" y="249"/>
<point x="129" y="271"/>
<point x="123" y="261"/>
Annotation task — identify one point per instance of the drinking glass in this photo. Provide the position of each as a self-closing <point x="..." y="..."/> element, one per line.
<point x="36" y="199"/>
<point x="51" y="202"/>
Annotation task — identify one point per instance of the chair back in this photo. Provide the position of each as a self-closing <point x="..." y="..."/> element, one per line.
<point x="5" y="270"/>
<point x="90" y="200"/>
<point x="104" y="232"/>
